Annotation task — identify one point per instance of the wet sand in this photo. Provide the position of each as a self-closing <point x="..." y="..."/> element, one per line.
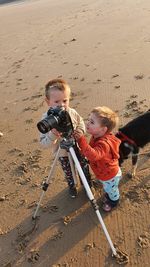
<point x="102" y="49"/>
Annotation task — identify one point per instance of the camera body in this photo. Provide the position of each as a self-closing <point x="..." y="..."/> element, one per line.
<point x="57" y="118"/>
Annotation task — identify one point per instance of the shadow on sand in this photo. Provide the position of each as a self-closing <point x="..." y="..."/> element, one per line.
<point x="47" y="239"/>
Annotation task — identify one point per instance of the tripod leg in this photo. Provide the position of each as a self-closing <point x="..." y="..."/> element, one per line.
<point x="92" y="200"/>
<point x="72" y="169"/>
<point x="46" y="183"/>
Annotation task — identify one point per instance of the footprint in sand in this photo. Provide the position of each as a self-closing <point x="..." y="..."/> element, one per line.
<point x="114" y="76"/>
<point x="3" y="232"/>
<point x="66" y="220"/>
<point x="57" y="236"/>
<point x="133" y="96"/>
<point x="73" y="40"/>
<point x="139" y="76"/>
<point x="33" y="256"/>
<point x="2" y="198"/>
<point x="21" y="169"/>
<point x="51" y="209"/>
<point x="21" y="246"/>
<point x="36" y="96"/>
<point x="143" y="241"/>
<point x="14" y="150"/>
<point x="25" y="99"/>
<point x="97" y="81"/>
<point x="18" y="83"/>
<point x="29" y="121"/>
<point x="89" y="246"/>
<point x="134" y="107"/>
<point x="1" y="134"/>
<point x="35" y="108"/>
<point x="133" y="196"/>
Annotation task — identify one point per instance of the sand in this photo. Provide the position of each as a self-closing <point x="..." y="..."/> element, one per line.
<point x="102" y="49"/>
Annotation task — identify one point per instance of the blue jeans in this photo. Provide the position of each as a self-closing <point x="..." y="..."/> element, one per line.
<point x="111" y="186"/>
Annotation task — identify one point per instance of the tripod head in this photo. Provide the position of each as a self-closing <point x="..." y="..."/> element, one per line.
<point x="66" y="143"/>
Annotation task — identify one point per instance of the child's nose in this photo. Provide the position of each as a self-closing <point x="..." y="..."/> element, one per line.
<point x="60" y="104"/>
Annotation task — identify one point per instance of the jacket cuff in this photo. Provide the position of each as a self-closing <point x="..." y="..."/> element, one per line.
<point x="82" y="142"/>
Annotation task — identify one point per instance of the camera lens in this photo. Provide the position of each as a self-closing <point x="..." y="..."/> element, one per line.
<point x="48" y="124"/>
<point x="43" y="126"/>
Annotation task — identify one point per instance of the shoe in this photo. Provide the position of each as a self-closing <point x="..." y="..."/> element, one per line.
<point x="107" y="206"/>
<point x="73" y="192"/>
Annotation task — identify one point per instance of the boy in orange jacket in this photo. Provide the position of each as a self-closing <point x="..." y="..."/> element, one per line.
<point x="103" y="152"/>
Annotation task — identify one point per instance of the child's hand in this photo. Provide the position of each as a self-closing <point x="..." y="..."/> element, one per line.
<point x="77" y="134"/>
<point x="54" y="131"/>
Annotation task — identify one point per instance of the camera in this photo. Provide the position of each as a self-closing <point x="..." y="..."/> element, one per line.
<point x="57" y="118"/>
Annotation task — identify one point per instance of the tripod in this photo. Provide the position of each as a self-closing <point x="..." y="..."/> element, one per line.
<point x="68" y="144"/>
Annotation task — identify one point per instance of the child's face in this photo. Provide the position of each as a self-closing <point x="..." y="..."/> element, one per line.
<point x="58" y="98"/>
<point x="94" y="126"/>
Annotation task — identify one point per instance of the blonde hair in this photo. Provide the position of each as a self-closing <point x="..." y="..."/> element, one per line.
<point x="107" y="117"/>
<point x="56" y="84"/>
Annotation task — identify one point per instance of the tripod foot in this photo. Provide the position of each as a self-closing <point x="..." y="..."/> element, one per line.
<point x="121" y="257"/>
<point x="33" y="218"/>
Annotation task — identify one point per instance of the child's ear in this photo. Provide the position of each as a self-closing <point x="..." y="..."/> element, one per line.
<point x="105" y="129"/>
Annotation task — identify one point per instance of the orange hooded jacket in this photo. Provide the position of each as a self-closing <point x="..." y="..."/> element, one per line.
<point x="103" y="155"/>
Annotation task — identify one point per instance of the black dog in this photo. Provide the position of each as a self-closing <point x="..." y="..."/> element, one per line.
<point x="134" y="135"/>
